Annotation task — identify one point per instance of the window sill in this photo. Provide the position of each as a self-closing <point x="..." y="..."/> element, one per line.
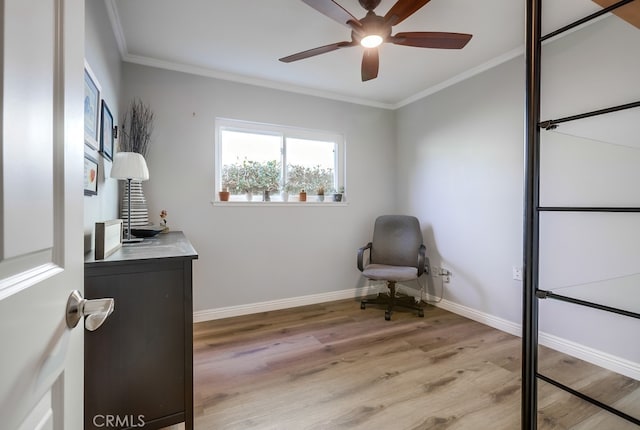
<point x="262" y="204"/>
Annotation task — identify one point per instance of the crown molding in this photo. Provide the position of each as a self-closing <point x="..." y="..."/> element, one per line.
<point x="462" y="76"/>
<point x="116" y="26"/>
<point x="233" y="77"/>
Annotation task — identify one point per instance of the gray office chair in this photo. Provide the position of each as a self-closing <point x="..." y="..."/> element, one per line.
<point x="396" y="254"/>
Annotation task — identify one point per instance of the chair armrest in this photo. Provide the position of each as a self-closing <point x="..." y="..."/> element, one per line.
<point x="422" y="259"/>
<point x="361" y="256"/>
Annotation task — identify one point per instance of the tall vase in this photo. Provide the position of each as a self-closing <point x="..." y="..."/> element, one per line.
<point x="139" y="208"/>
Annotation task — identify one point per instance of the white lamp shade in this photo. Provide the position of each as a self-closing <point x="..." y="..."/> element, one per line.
<point x="129" y="165"/>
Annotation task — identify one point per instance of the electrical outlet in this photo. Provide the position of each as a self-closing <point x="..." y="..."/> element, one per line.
<point x="517" y="273"/>
<point x="446" y="275"/>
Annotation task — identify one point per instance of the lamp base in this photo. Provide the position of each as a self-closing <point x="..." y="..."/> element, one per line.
<point x="132" y="240"/>
<point x="128" y="239"/>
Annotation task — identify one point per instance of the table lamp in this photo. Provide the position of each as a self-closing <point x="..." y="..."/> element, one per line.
<point x="129" y="166"/>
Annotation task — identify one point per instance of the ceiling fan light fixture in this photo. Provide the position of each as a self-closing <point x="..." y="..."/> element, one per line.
<point x="371" y="41"/>
<point x="373" y="30"/>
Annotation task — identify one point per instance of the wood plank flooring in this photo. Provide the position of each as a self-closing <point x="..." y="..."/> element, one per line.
<point x="335" y="366"/>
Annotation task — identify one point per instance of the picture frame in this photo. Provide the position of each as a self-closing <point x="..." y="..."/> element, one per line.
<point x="90" y="176"/>
<point x="91" y="108"/>
<point x="107" y="134"/>
<point x="108" y="238"/>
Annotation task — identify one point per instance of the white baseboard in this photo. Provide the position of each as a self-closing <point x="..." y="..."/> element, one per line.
<point x="481" y="317"/>
<point x="273" y="305"/>
<point x="611" y="362"/>
<point x="594" y="356"/>
<point x="590" y="355"/>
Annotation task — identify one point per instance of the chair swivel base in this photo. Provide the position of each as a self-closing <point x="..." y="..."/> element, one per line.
<point x="391" y="301"/>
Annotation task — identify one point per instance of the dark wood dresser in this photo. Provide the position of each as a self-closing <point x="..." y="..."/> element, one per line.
<point x="139" y="364"/>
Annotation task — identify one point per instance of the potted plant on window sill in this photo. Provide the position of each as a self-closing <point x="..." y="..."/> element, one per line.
<point x="337" y="197"/>
<point x="224" y="194"/>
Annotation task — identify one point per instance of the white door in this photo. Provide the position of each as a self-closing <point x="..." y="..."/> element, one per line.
<point x="41" y="212"/>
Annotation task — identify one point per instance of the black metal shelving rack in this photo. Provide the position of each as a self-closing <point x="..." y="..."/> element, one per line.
<point x="531" y="293"/>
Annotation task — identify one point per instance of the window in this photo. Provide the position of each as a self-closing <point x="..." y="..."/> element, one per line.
<point x="261" y="162"/>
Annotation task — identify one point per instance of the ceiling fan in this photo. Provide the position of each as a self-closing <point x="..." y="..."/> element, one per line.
<point x="373" y="30"/>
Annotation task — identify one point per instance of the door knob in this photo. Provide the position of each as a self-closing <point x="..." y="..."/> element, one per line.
<point x="95" y="312"/>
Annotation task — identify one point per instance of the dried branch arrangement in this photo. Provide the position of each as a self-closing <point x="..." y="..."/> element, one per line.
<point x="137" y="126"/>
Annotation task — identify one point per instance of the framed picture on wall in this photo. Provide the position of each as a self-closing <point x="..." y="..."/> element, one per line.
<point x="106" y="132"/>
<point x="91" y="108"/>
<point x="90" y="176"/>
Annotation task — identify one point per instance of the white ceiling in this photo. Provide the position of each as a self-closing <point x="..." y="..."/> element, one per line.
<point x="241" y="40"/>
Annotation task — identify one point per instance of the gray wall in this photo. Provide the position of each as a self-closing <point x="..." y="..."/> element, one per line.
<point x="460" y="168"/>
<point x="101" y="53"/>
<point x="252" y="254"/>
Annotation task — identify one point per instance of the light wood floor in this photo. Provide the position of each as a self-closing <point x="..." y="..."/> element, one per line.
<point x="334" y="366"/>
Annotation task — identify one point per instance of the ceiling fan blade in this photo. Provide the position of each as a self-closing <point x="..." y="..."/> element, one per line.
<point x="431" y="39"/>
<point x="334" y="11"/>
<point x="370" y="64"/>
<point x="402" y="10"/>
<point x="316" y="51"/>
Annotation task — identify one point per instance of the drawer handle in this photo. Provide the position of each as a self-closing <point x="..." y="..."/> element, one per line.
<point x="95" y="311"/>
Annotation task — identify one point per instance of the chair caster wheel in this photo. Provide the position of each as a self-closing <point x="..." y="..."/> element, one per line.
<point x="421" y="313"/>
<point x="387" y="315"/>
<point x="362" y="305"/>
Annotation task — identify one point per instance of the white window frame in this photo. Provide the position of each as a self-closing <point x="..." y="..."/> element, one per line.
<point x="285" y="132"/>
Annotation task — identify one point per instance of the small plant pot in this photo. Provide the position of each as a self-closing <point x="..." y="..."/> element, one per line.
<point x="224" y="196"/>
<point x="321" y="197"/>
<point x="302" y="197"/>
<point x="337" y="197"/>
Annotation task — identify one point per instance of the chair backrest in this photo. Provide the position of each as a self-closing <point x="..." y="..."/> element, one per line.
<point x="396" y="240"/>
